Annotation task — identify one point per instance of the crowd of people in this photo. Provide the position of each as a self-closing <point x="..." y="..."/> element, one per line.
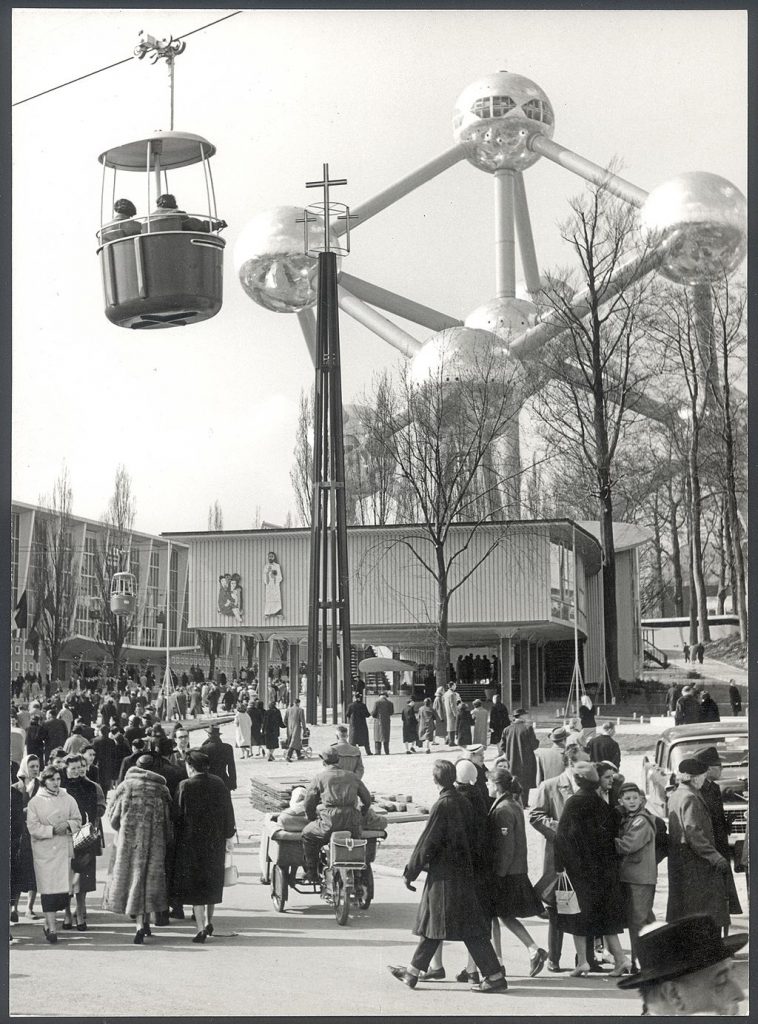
<point x="77" y="760"/>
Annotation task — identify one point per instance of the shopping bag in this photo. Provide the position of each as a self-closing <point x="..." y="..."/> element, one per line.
<point x="566" y="901"/>
<point x="231" y="874"/>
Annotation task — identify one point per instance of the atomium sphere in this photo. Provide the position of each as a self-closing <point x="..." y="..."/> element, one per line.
<point x="506" y="318"/>
<point x="496" y="116"/>
<point x="467" y="365"/>
<point x="701" y="220"/>
<point x="270" y="259"/>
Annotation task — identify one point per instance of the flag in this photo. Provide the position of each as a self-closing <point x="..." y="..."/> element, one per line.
<point x="49" y="604"/>
<point x="20" y="618"/>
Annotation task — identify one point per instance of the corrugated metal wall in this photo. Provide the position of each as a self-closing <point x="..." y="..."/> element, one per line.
<point x="387" y="582"/>
<point x="594" y="649"/>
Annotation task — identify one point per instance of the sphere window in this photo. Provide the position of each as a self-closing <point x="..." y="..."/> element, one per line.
<point x="502" y="105"/>
<point x="538" y="110"/>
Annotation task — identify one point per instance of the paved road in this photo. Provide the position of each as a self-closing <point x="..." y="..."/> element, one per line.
<point x="301" y="962"/>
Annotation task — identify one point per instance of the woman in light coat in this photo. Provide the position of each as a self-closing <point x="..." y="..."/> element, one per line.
<point x="439" y="708"/>
<point x="243" y="729"/>
<point x="481" y="718"/>
<point x="52" y="818"/>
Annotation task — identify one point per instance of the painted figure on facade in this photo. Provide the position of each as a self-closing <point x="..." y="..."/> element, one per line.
<point x="272" y="578"/>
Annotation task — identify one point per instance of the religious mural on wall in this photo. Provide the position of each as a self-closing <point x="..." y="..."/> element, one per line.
<point x="230" y="596"/>
<point x="272" y="579"/>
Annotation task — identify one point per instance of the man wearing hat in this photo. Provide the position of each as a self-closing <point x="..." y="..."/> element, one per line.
<point x="221" y="756"/>
<point x="331" y="804"/>
<point x="711" y="793"/>
<point x="550" y="759"/>
<point x="499" y="719"/>
<point x="604" y="747"/>
<point x="686" y="969"/>
<point x="475" y="754"/>
<point x="697" y="871"/>
<point x="687" y="710"/>
<point x="519" y="743"/>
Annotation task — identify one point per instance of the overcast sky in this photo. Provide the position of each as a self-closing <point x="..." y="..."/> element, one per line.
<point x="208" y="412"/>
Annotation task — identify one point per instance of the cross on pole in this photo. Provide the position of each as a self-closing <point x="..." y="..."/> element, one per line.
<point x="326" y="183"/>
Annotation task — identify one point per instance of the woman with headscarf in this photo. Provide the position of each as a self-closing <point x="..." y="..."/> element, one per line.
<point x="243" y="729"/>
<point x="141" y="814"/>
<point x="204" y="826"/>
<point x="255" y="712"/>
<point x="427" y="724"/>
<point x="27" y="785"/>
<point x="85" y="793"/>
<point x="52" y="818"/>
<point x="585" y="850"/>
<point x="410" y="727"/>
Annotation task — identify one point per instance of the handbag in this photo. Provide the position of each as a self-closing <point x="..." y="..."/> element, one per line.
<point x="231" y="872"/>
<point x="86" y="840"/>
<point x="566" y="900"/>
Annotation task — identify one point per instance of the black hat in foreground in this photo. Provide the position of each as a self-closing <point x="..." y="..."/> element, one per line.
<point x="680" y="948"/>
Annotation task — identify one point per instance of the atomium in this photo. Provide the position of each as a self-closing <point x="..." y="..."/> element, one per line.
<point x="272" y="265"/>
<point x="698" y="219"/>
<point x="506" y="318"/>
<point x="495" y="117"/>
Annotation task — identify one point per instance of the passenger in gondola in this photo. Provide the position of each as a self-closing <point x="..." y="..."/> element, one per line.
<point x="123" y="223"/>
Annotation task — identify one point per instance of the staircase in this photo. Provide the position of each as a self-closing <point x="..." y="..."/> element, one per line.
<point x="652" y="653"/>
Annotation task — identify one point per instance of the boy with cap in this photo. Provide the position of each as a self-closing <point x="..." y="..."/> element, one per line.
<point x="686" y="969"/>
<point x="635" y="844"/>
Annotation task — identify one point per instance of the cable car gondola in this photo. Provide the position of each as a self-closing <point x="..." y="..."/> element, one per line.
<point x="123" y="593"/>
<point x="164" y="269"/>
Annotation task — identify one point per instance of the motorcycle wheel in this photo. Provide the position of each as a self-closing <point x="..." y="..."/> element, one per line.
<point x="279" y="889"/>
<point x="341" y="900"/>
<point x="368" y="886"/>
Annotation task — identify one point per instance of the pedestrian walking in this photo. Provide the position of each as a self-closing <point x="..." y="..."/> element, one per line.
<point x="243" y="729"/>
<point x="85" y="793"/>
<point x="499" y="719"/>
<point x="382" y="715"/>
<point x="518" y="743"/>
<point x="604" y="747"/>
<point x="221" y="757"/>
<point x="687" y="707"/>
<point x="481" y="718"/>
<point x="428" y="719"/>
<point x="711" y="793"/>
<point x="735" y="701"/>
<point x="255" y="712"/>
<point x="709" y="709"/>
<point x="294" y="719"/>
<point x="204" y="826"/>
<point x="585" y="850"/>
<point x="686" y="652"/>
<point x="273" y="723"/>
<point x="550" y="759"/>
<point x="700" y="652"/>
<point x="463" y="725"/>
<point x="410" y="727"/>
<point x="356" y="715"/>
<point x="450" y="705"/>
<point x="448" y="909"/>
<point x="141" y="814"/>
<point x="697" y="871"/>
<point x="52" y="818"/>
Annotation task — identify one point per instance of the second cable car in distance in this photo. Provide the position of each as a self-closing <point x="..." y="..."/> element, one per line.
<point x="123" y="593"/>
<point x="163" y="268"/>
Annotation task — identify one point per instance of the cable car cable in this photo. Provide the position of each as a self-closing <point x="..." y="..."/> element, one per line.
<point x="116" y="64"/>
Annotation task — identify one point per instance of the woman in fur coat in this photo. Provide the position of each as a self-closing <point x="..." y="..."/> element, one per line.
<point x="141" y="814"/>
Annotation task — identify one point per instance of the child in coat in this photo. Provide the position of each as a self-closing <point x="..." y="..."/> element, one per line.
<point x="635" y="845"/>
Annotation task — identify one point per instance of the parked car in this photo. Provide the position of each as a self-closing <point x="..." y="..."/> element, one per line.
<point x="730" y="738"/>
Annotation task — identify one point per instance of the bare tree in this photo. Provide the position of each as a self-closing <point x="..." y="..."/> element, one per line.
<point x="215" y="516"/>
<point x="54" y="582"/>
<point x="114" y="554"/>
<point x="440" y="434"/>
<point x="301" y="473"/>
<point x="210" y="644"/>
<point x="600" y="362"/>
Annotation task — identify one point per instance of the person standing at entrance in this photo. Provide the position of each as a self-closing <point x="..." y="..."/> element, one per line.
<point x="450" y="704"/>
<point x="382" y="715"/>
<point x="519" y="743"/>
<point x="356" y="715"/>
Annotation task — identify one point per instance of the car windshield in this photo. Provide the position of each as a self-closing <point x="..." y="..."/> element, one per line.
<point x="733" y="750"/>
